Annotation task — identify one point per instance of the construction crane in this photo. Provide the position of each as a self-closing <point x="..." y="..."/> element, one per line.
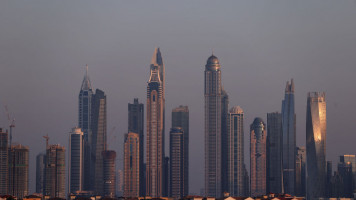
<point x="47" y="138"/>
<point x="11" y="123"/>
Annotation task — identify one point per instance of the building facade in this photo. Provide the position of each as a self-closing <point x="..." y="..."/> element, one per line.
<point x="84" y="122"/>
<point x="4" y="177"/>
<point x="40" y="167"/>
<point x="176" y="154"/>
<point x="235" y="154"/>
<point x="224" y="140"/>
<point x="352" y="160"/>
<point x="274" y="153"/>
<point x="98" y="138"/>
<point x="76" y="160"/>
<point x="18" y="171"/>
<point x="180" y="118"/>
<point x="316" y="144"/>
<point x="132" y="165"/>
<point x="109" y="174"/>
<point x="213" y="112"/>
<point x="258" y="157"/>
<point x="300" y="172"/>
<point x="136" y="125"/>
<point x="55" y="172"/>
<point x="289" y="139"/>
<point x="155" y="128"/>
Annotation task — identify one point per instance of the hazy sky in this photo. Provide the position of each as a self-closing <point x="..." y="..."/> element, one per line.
<point x="45" y="45"/>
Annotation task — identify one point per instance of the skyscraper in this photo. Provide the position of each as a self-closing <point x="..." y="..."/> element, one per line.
<point x="224" y="142"/>
<point x="18" y="171"/>
<point x="352" y="160"/>
<point x="76" y="160"/>
<point x="235" y="154"/>
<point x="55" y="172"/>
<point x="180" y="118"/>
<point x="155" y="127"/>
<point x="316" y="144"/>
<point x="289" y="139"/>
<point x="84" y="122"/>
<point x="136" y="125"/>
<point x="132" y="165"/>
<point x="3" y="162"/>
<point x="176" y="154"/>
<point x="346" y="168"/>
<point x="274" y="153"/>
<point x="98" y="138"/>
<point x="213" y="112"/>
<point x="300" y="172"/>
<point x="109" y="176"/>
<point x="40" y="167"/>
<point x="258" y="157"/>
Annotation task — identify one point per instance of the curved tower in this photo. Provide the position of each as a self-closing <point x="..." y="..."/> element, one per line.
<point x="258" y="157"/>
<point x="155" y="128"/>
<point x="316" y="145"/>
<point x="213" y="97"/>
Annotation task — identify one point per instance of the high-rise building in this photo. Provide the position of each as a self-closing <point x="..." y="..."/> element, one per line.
<point x="155" y="128"/>
<point x="289" y="139"/>
<point x="55" y="172"/>
<point x="98" y="138"/>
<point x="224" y="141"/>
<point x="136" y="125"/>
<point x="109" y="174"/>
<point x="345" y="169"/>
<point x="274" y="153"/>
<point x="40" y="167"/>
<point x="120" y="183"/>
<point x="180" y="118"/>
<point x="258" y="157"/>
<point x="76" y="160"/>
<point x="84" y="122"/>
<point x="176" y="154"/>
<point x="329" y="177"/>
<point x="352" y="160"/>
<point x="235" y="154"/>
<point x="132" y="165"/>
<point x="213" y="112"/>
<point x="4" y="178"/>
<point x="316" y="145"/>
<point x="300" y="172"/>
<point x="18" y="171"/>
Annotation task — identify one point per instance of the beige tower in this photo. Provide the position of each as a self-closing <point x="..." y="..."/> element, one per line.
<point x="131" y="165"/>
<point x="155" y="128"/>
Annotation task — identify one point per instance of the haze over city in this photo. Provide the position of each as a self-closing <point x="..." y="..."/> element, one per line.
<point x="45" y="45"/>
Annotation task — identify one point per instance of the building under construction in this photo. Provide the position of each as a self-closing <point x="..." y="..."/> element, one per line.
<point x="18" y="171"/>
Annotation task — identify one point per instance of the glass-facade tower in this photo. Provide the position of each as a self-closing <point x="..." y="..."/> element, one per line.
<point x="84" y="122"/>
<point x="274" y="153"/>
<point x="316" y="145"/>
<point x="180" y="118"/>
<point x="288" y="139"/>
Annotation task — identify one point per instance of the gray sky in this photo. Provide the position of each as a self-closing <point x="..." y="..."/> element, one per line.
<point x="44" y="46"/>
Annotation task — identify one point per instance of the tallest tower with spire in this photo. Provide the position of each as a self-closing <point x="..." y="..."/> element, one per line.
<point x="155" y="180"/>
<point x="84" y="122"/>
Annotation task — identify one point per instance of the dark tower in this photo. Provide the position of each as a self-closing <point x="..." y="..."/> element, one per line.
<point x="136" y="125"/>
